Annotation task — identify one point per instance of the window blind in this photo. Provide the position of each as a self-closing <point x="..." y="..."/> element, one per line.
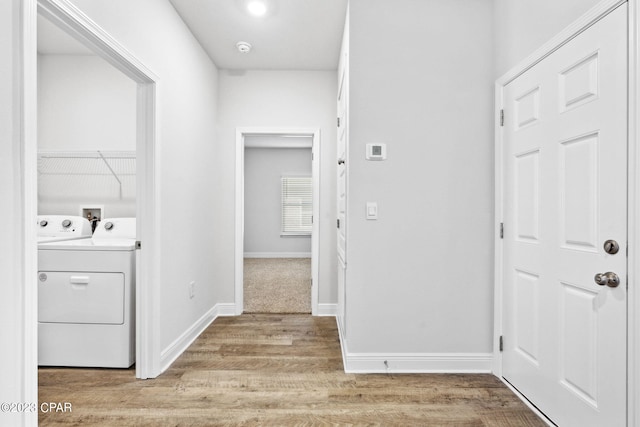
<point x="297" y="205"/>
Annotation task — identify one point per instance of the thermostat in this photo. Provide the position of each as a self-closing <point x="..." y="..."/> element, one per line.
<point x="376" y="152"/>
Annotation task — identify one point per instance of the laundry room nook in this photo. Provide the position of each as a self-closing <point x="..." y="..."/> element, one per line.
<point x="86" y="130"/>
<point x="86" y="190"/>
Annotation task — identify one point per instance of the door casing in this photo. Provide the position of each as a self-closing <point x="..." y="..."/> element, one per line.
<point x="241" y="133"/>
<point x="633" y="248"/>
<point x="71" y="20"/>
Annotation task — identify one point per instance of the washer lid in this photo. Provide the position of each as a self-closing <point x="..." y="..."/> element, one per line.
<point x="46" y="239"/>
<point x="92" y="244"/>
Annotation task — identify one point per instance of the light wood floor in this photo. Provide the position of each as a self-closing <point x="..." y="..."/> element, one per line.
<point x="275" y="370"/>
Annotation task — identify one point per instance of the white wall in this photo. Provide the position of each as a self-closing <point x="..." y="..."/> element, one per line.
<point x="263" y="170"/>
<point x="419" y="279"/>
<point x="85" y="104"/>
<point x="186" y="102"/>
<point x="522" y="26"/>
<point x="274" y="99"/>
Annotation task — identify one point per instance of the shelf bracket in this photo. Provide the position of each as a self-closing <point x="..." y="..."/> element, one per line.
<point x="112" y="172"/>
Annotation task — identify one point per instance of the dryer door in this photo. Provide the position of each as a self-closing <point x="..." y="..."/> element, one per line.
<point x="80" y="297"/>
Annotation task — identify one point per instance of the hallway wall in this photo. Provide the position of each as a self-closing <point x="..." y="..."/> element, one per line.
<point x="186" y="104"/>
<point x="419" y="278"/>
<point x="275" y="99"/>
<point x="407" y="293"/>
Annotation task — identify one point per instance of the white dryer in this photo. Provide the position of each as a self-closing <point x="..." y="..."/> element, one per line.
<point x="86" y="298"/>
<point x="56" y="228"/>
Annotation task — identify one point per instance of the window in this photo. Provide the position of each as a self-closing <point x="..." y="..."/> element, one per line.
<point x="297" y="205"/>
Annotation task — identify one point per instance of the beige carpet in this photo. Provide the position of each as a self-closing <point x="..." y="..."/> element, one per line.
<point x="277" y="285"/>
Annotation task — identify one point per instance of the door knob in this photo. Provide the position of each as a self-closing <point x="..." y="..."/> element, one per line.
<point x="611" y="247"/>
<point x="610" y="279"/>
<point x="341" y="162"/>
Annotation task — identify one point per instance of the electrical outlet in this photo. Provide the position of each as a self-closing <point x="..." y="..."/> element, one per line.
<point x="192" y="290"/>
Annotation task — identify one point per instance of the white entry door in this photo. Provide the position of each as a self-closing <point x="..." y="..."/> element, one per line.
<point x="565" y="196"/>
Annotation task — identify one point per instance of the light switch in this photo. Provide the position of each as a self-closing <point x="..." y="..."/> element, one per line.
<point x="372" y="210"/>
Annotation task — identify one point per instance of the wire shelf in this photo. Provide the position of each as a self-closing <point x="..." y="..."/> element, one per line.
<point x="87" y="174"/>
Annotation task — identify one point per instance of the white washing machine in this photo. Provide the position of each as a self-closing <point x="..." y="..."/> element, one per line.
<point x="86" y="298"/>
<point x="56" y="228"/>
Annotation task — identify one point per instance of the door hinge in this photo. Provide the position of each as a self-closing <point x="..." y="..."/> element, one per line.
<point x="501" y="343"/>
<point x="502" y="117"/>
<point x="338" y="121"/>
<point x="338" y="222"/>
<point x="502" y="230"/>
<point x="311" y="219"/>
<point x="138" y="244"/>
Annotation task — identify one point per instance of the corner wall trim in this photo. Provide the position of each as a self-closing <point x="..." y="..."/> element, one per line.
<point x="176" y="348"/>
<point x="327" y="309"/>
<point x="225" y="309"/>
<point x="343" y="339"/>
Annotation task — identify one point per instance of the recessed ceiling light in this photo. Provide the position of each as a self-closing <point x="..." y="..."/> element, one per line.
<point x="257" y="8"/>
<point x="243" y="47"/>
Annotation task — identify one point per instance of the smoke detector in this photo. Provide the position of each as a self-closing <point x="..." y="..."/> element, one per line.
<point x="243" y="47"/>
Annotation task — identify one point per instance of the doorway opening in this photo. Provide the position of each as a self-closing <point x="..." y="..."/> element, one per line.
<point x="277" y="246"/>
<point x="73" y="26"/>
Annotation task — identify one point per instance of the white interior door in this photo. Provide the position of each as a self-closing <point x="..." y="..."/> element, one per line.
<point x="565" y="181"/>
<point x="342" y="197"/>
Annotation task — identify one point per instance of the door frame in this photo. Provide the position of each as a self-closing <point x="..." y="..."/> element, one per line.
<point x="241" y="133"/>
<point x="633" y="268"/>
<point x="73" y="21"/>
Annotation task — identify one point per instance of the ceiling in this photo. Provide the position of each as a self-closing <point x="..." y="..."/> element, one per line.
<point x="292" y="35"/>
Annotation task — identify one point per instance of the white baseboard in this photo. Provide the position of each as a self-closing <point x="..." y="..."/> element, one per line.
<point x="176" y="348"/>
<point x="225" y="309"/>
<point x="353" y="362"/>
<point x="277" y="254"/>
<point x="327" y="309"/>
<point x="343" y="339"/>
<point x="418" y="363"/>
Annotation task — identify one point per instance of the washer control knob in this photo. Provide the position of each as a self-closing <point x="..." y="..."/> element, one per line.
<point x="66" y="223"/>
<point x="108" y="226"/>
<point x="43" y="223"/>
